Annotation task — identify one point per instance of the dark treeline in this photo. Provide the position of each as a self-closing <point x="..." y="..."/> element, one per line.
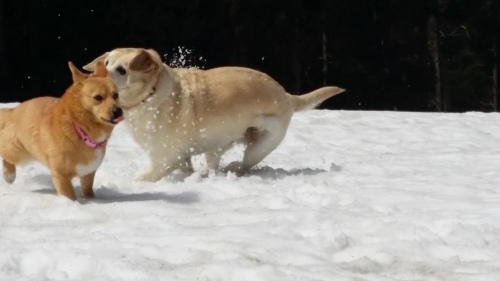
<point x="419" y="55"/>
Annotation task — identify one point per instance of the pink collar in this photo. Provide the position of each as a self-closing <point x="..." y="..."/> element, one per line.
<point x="86" y="139"/>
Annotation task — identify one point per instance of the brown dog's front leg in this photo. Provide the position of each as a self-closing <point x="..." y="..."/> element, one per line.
<point x="9" y="172"/>
<point x="63" y="186"/>
<point x="86" y="183"/>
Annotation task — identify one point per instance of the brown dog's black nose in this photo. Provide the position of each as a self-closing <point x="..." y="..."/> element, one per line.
<point x="116" y="112"/>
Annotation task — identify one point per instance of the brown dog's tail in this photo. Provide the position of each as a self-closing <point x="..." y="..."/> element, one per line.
<point x="314" y="98"/>
<point x="4" y="113"/>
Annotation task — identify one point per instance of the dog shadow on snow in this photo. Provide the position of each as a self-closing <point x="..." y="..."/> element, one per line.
<point x="267" y="172"/>
<point x="105" y="195"/>
<point x="264" y="172"/>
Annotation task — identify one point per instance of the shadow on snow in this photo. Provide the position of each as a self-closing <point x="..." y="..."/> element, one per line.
<point x="104" y="195"/>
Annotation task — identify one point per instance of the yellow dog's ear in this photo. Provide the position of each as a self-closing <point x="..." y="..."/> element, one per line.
<point x="78" y="76"/>
<point x="145" y="61"/>
<point x="91" y="66"/>
<point x="100" y="70"/>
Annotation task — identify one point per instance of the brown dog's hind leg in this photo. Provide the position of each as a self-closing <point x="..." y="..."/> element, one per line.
<point x="12" y="153"/>
<point x="64" y="187"/>
<point x="9" y="172"/>
<point x="86" y="183"/>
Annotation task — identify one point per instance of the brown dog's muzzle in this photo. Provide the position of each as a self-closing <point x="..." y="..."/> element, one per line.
<point x="116" y="114"/>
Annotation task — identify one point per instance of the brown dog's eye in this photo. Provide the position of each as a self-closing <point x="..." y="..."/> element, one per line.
<point x="115" y="96"/>
<point x="98" y="98"/>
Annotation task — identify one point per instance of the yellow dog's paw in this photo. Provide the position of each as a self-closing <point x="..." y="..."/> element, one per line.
<point x="236" y="168"/>
<point x="151" y="176"/>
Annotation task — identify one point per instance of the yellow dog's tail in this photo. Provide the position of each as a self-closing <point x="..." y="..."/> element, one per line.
<point x="314" y="98"/>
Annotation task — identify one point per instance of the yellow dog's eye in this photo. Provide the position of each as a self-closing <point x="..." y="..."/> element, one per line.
<point x="121" y="70"/>
<point x="115" y="96"/>
<point x="98" y="98"/>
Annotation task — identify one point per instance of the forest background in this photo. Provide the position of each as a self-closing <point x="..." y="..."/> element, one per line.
<point x="414" y="55"/>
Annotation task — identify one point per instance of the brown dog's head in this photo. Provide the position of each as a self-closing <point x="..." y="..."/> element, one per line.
<point x="95" y="94"/>
<point x="134" y="71"/>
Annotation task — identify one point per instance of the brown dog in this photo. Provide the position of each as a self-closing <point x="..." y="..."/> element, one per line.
<point x="68" y="134"/>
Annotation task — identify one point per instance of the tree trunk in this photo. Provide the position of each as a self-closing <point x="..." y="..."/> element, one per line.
<point x="433" y="45"/>
<point x="496" y="57"/>
<point x="325" y="60"/>
<point x="2" y="44"/>
<point x="296" y="60"/>
<point x="495" y="76"/>
<point x="325" y="50"/>
<point x="234" y="15"/>
<point x="34" y="12"/>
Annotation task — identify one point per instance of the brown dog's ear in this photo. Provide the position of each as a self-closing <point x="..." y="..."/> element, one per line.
<point x="78" y="76"/>
<point x="144" y="62"/>
<point x="91" y="66"/>
<point x="100" y="70"/>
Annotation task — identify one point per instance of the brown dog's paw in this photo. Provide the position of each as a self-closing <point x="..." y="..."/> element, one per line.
<point x="9" y="172"/>
<point x="9" y="177"/>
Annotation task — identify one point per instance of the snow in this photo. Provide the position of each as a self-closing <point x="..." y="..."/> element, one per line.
<point x="346" y="196"/>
